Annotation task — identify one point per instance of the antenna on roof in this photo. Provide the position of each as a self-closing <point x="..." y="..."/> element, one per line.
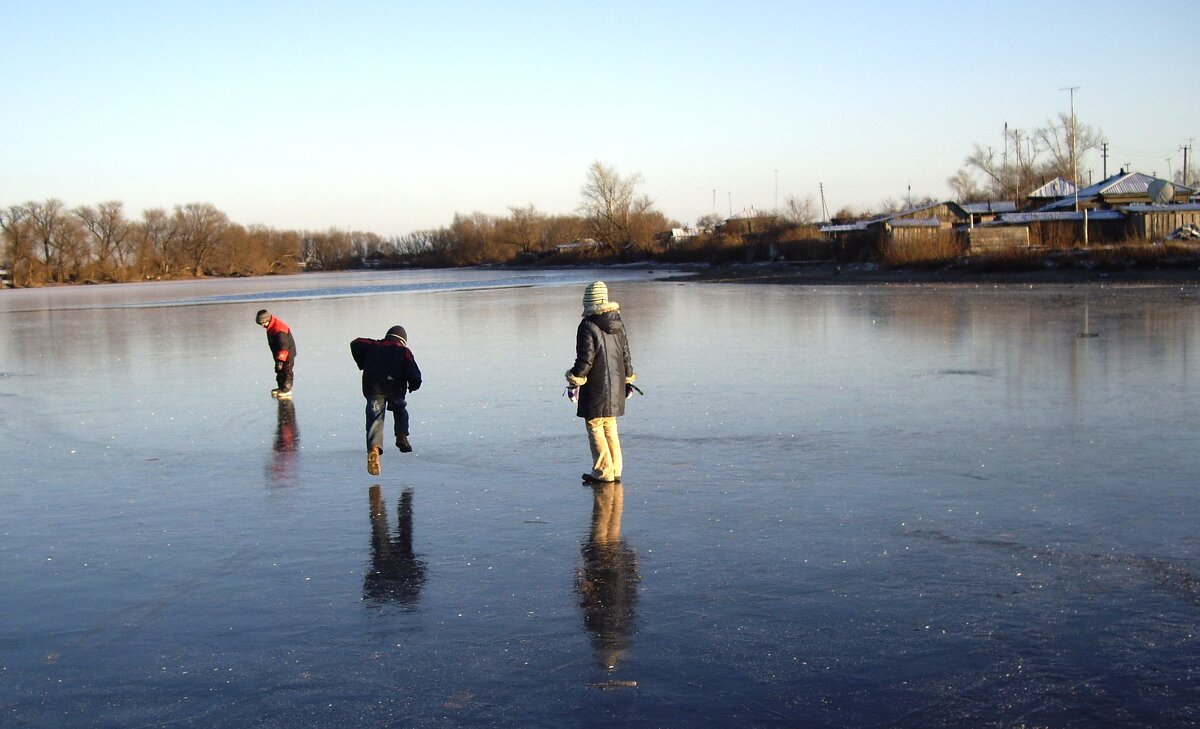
<point x="1161" y="192"/>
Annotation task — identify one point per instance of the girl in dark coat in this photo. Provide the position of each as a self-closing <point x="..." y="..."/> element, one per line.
<point x="603" y="372"/>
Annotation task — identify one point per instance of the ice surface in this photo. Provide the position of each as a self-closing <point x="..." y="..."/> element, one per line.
<point x="843" y="506"/>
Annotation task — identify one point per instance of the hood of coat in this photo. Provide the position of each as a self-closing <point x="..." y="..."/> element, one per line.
<point x="609" y="319"/>
<point x="605" y="308"/>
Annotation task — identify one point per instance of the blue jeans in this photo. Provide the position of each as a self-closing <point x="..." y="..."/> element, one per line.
<point x="377" y="407"/>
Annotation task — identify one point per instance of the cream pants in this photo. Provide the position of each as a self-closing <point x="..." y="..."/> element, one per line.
<point x="606" y="448"/>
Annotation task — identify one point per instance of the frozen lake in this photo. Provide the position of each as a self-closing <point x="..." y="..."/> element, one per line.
<point x="843" y="506"/>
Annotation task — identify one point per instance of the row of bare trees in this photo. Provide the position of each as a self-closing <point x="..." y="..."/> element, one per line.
<point x="47" y="242"/>
<point x="620" y="220"/>
<point x="1027" y="161"/>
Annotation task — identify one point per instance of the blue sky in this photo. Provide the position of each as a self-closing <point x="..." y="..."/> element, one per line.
<point x="393" y="116"/>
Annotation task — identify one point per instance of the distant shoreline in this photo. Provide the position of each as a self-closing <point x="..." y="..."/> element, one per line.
<point x="823" y="274"/>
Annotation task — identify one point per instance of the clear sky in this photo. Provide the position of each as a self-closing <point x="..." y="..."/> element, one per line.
<point x="392" y="116"/>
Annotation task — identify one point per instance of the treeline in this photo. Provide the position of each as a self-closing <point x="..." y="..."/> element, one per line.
<point x="49" y="242"/>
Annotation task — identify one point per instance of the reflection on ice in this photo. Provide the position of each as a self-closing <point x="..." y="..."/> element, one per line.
<point x="396" y="573"/>
<point x="607" y="581"/>
<point x="287" y="442"/>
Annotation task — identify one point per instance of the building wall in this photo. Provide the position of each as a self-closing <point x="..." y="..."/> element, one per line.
<point x="990" y="239"/>
<point x="1157" y="225"/>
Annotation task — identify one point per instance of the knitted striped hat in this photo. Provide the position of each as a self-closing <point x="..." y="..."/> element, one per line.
<point x="595" y="295"/>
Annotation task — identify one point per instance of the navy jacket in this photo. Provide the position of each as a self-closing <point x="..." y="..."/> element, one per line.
<point x="388" y="367"/>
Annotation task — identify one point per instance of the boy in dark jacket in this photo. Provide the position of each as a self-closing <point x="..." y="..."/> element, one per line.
<point x="389" y="372"/>
<point x="604" y="374"/>
<point x="283" y="351"/>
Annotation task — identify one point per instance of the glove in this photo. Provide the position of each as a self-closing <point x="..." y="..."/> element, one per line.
<point x="573" y="381"/>
<point x="278" y="366"/>
<point x="628" y="391"/>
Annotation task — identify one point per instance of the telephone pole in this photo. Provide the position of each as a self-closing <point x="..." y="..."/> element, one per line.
<point x="1104" y="156"/>
<point x="1075" y="162"/>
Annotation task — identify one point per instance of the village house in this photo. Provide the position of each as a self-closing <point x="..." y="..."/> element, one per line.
<point x="1125" y="205"/>
<point x="912" y="227"/>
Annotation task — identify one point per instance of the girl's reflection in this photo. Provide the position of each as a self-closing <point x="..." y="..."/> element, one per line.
<point x="608" y="579"/>
<point x="396" y="574"/>
<point x="287" y="442"/>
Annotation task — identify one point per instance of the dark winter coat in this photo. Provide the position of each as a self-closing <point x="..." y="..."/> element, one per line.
<point x="602" y="356"/>
<point x="388" y="367"/>
<point x="280" y="340"/>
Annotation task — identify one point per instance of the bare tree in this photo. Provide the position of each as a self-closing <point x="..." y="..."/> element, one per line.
<point x="611" y="206"/>
<point x="109" y="233"/>
<point x="327" y="250"/>
<point x="201" y="229"/>
<point x="414" y="244"/>
<point x="800" y="211"/>
<point x="563" y="229"/>
<point x="56" y="234"/>
<point x="154" y="239"/>
<point x="525" y="230"/>
<point x="964" y="188"/>
<point x="18" y="234"/>
<point x="1027" y="161"/>
<point x="474" y="239"/>
<point x="1067" y="141"/>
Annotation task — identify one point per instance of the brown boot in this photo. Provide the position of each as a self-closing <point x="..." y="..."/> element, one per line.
<point x="373" y="461"/>
<point x="403" y="444"/>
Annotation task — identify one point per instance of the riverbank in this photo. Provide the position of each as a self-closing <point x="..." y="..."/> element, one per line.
<point x="827" y="274"/>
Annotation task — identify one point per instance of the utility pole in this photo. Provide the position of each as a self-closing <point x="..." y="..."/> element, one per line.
<point x="1005" y="158"/>
<point x="1104" y="156"/>
<point x="1071" y="132"/>
<point x="1185" y="163"/>
<point x="824" y="209"/>
<point x="1075" y="161"/>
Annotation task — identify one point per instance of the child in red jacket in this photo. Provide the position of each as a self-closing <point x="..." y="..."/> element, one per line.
<point x="283" y="351"/>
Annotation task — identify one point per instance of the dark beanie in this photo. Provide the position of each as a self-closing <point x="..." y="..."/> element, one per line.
<point x="397" y="332"/>
<point x="262" y="317"/>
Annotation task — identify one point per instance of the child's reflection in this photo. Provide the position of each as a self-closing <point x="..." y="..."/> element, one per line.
<point x="608" y="579"/>
<point x="287" y="442"/>
<point x="396" y="574"/>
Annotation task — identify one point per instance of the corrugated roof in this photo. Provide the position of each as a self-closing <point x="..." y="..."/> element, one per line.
<point x="1058" y="187"/>
<point x="915" y="223"/>
<point x="844" y="228"/>
<point x="999" y="206"/>
<point x="1124" y="183"/>
<point x="1023" y="218"/>
<point x="1179" y="208"/>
